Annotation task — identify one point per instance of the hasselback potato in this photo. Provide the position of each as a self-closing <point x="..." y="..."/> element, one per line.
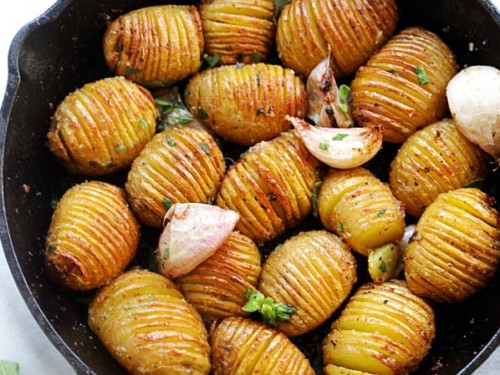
<point x="145" y="323"/>
<point x="92" y="237"/>
<point x="178" y="165"/>
<point x="217" y="287"/>
<point x="361" y="209"/>
<point x="384" y="329"/>
<point x="101" y="127"/>
<point x="155" y="46"/>
<point x="434" y="160"/>
<point x="351" y="29"/>
<point x="313" y="272"/>
<point x="238" y="30"/>
<point x="403" y="86"/>
<point x="270" y="187"/>
<point x="247" y="104"/>
<point x="456" y="246"/>
<point x="244" y="347"/>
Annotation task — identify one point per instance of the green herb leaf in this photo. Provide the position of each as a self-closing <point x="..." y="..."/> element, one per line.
<point x="258" y="79"/>
<point x="130" y="71"/>
<point x="51" y="249"/>
<point x="260" y="111"/>
<point x="345" y="98"/>
<point x="382" y="267"/>
<point x="254" y="300"/>
<point x="272" y="313"/>
<point x="315" y="206"/>
<point x="278" y="7"/>
<point x="9" y="368"/>
<point x="179" y="117"/>
<point x="278" y="246"/>
<point x="255" y="57"/>
<point x="423" y="78"/>
<point x="121" y="148"/>
<point x="144" y="123"/>
<point x="324" y="145"/>
<point x="53" y="203"/>
<point x="340" y="227"/>
<point x="205" y="148"/>
<point x="167" y="203"/>
<point x="392" y="71"/>
<point x="474" y="183"/>
<point x="339" y="137"/>
<point x="284" y="312"/>
<point x="170" y="141"/>
<point x="381" y="212"/>
<point x="211" y="60"/>
<point x="202" y="114"/>
<point x="166" y="253"/>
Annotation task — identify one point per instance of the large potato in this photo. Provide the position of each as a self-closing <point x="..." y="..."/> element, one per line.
<point x="92" y="237"/>
<point x="145" y="323"/>
<point x="270" y="187"/>
<point x="244" y="347"/>
<point x="456" y="247"/>
<point x="313" y="272"/>
<point x="155" y="46"/>
<point x="434" y="160"/>
<point x="247" y="104"/>
<point x="403" y="86"/>
<point x="384" y="329"/>
<point x="101" y="127"/>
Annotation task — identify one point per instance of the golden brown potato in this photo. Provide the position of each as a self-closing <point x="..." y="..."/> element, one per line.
<point x="270" y="187"/>
<point x="155" y="46"/>
<point x="384" y="329"/>
<point x="432" y="161"/>
<point x="178" y="166"/>
<point x="351" y="29"/>
<point x="312" y="272"/>
<point x="247" y="104"/>
<point x="101" y="127"/>
<point x="217" y="287"/>
<point x="145" y="323"/>
<point x="456" y="246"/>
<point x="238" y="30"/>
<point x="244" y="347"/>
<point x="403" y="86"/>
<point x="92" y="237"/>
<point x="359" y="208"/>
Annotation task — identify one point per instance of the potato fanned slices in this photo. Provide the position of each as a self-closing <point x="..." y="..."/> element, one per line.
<point x="456" y="246"/>
<point x="101" y="127"/>
<point x="217" y="287"/>
<point x="247" y="104"/>
<point x="155" y="46"/>
<point x="435" y="160"/>
<point x="242" y="346"/>
<point x="145" y="323"/>
<point x="403" y="86"/>
<point x="384" y="329"/>
<point x="178" y="166"/>
<point x="238" y="30"/>
<point x="353" y="30"/>
<point x="92" y="237"/>
<point x="270" y="187"/>
<point x="290" y="275"/>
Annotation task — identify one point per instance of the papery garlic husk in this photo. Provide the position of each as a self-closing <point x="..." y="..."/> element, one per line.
<point x="474" y="100"/>
<point x="339" y="148"/>
<point x="194" y="232"/>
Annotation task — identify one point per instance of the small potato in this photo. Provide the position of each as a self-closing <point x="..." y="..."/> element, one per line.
<point x="244" y="347"/>
<point x="312" y="272"/>
<point x="238" y="30"/>
<point x="456" y="246"/>
<point x="384" y="329"/>
<point x="145" y="323"/>
<point x="270" y="187"/>
<point x="92" y="237"/>
<point x="432" y="161"/>
<point x="155" y="46"/>
<point x="403" y="86"/>
<point x="247" y="104"/>
<point x="101" y="127"/>
<point x="178" y="166"/>
<point x="217" y="287"/>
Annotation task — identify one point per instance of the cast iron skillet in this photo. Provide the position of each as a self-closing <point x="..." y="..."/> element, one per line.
<point x="60" y="51"/>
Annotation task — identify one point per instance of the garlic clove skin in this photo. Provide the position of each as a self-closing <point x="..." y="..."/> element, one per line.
<point x="339" y="148"/>
<point x="474" y="101"/>
<point x="193" y="233"/>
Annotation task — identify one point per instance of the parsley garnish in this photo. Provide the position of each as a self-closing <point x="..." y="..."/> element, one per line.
<point x="211" y="60"/>
<point x="205" y="148"/>
<point x="423" y="78"/>
<point x="258" y="79"/>
<point x="51" y="249"/>
<point x="345" y="98"/>
<point x="273" y="313"/>
<point x="382" y="267"/>
<point x="260" y="111"/>
<point x="53" y="203"/>
<point x="339" y="137"/>
<point x="166" y="253"/>
<point x="474" y="183"/>
<point x="121" y="148"/>
<point x="340" y="227"/>
<point x="393" y="72"/>
<point x="167" y="203"/>
<point x="381" y="212"/>
<point x="324" y="145"/>
<point x="170" y="141"/>
<point x="202" y="114"/>
<point x="255" y="57"/>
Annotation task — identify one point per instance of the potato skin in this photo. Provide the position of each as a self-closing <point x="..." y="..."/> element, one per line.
<point x="178" y="166"/>
<point x="384" y="329"/>
<point x="353" y="30"/>
<point x="101" y="127"/>
<point x="456" y="247"/>
<point x="247" y="104"/>
<point x="145" y="323"/>
<point x="270" y="187"/>
<point x="244" y="347"/>
<point x="155" y="46"/>
<point x="313" y="272"/>
<point x="217" y="287"/>
<point x="92" y="237"/>
<point x="386" y="91"/>
<point x="434" y="160"/>
<point x="361" y="209"/>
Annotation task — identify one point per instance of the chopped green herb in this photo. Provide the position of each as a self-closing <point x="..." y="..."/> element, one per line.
<point x="179" y="117"/>
<point x="339" y="137"/>
<point x="169" y="105"/>
<point x="144" y="123"/>
<point x="202" y="114"/>
<point x="205" y="148"/>
<point x="340" y="227"/>
<point x="51" y="249"/>
<point x="258" y="79"/>
<point x="381" y="212"/>
<point x="315" y="191"/>
<point x="345" y="98"/>
<point x="9" y="368"/>
<point x="130" y="71"/>
<point x="255" y="57"/>
<point x="392" y="71"/>
<point x="260" y="111"/>
<point x="324" y="145"/>
<point x="278" y="7"/>
<point x="278" y="246"/>
<point x="167" y="203"/>
<point x="423" y="78"/>
<point x="239" y="65"/>
<point x="474" y="183"/>
<point x="382" y="267"/>
<point x="254" y="300"/>
<point x="166" y="253"/>
<point x="272" y="313"/>
<point x="211" y="60"/>
<point x="170" y="141"/>
<point x="121" y="148"/>
<point x="53" y="203"/>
